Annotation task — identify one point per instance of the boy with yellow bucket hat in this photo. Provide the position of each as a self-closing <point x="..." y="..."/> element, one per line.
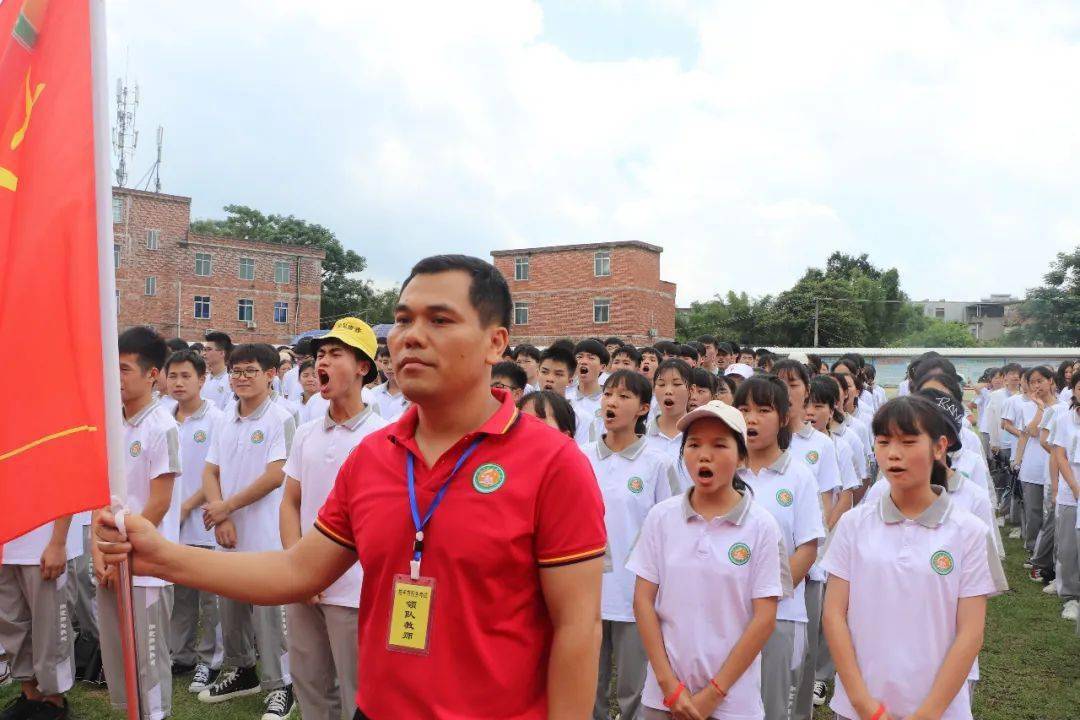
<point x="322" y="632"/>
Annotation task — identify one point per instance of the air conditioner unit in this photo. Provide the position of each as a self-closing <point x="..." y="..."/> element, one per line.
<point x="250" y="325"/>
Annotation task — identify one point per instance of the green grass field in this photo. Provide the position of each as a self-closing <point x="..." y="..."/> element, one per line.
<point x="1030" y="666"/>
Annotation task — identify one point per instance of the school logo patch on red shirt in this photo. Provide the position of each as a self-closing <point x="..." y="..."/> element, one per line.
<point x="488" y="478"/>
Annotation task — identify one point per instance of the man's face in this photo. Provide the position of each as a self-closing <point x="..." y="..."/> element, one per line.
<point x="438" y="345"/>
<point x="183" y="382"/>
<point x="249" y="381"/>
<point x="588" y="368"/>
<point x="554" y="376"/>
<point x="213" y="355"/>
<point x="337" y="369"/>
<point x="622" y="362"/>
<point x="529" y="365"/>
<point x="710" y="356"/>
<point x="135" y="383"/>
<point x="387" y="367"/>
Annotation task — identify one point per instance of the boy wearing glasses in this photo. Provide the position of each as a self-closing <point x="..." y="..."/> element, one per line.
<point x="511" y="377"/>
<point x="216" y="354"/>
<point x="242" y="481"/>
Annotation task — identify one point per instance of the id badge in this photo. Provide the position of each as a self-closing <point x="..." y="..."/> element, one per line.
<point x="410" y="615"/>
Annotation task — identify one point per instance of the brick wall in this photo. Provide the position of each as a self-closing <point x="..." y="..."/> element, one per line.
<point x="171" y="310"/>
<point x="562" y="287"/>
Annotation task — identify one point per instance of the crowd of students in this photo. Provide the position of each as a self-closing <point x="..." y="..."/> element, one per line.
<point x="762" y="515"/>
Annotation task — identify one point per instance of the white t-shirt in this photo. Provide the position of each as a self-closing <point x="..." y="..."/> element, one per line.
<point x="1035" y="465"/>
<point x="867" y="402"/>
<point x="315" y="408"/>
<point x="631" y="481"/>
<point x="1065" y="433"/>
<point x="28" y="547"/>
<point x="319" y="449"/>
<point x="1011" y="411"/>
<point x="817" y="451"/>
<point x="217" y="389"/>
<point x="847" y="434"/>
<point x="152" y="449"/>
<point x="290" y="384"/>
<point x="904" y="388"/>
<point x="1065" y="396"/>
<point x="906" y="578"/>
<point x="879" y="396"/>
<point x="588" y="404"/>
<point x="196" y="433"/>
<point x="242" y="449"/>
<point x="390" y="407"/>
<point x="788" y="491"/>
<point x="709" y="573"/>
<point x="670" y="446"/>
<point x="969" y="440"/>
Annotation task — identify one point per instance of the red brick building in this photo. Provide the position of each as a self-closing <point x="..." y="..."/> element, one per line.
<point x="184" y="284"/>
<point x="592" y="290"/>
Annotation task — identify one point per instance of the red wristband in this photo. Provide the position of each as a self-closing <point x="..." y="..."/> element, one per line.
<point x="879" y="713"/>
<point x="722" y="691"/>
<point x="674" y="696"/>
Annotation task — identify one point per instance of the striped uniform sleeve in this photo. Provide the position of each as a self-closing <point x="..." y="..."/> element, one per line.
<point x="569" y="519"/>
<point x="333" y="519"/>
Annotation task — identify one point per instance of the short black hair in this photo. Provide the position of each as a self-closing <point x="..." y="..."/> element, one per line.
<point x="1012" y="367"/>
<point x="308" y="364"/>
<point x="527" y="350"/>
<point x="382" y="351"/>
<point x="223" y="341"/>
<point x="196" y="346"/>
<point x="488" y="292"/>
<point x="639" y="386"/>
<point x="650" y="351"/>
<point x="177" y="344"/>
<point x="687" y="351"/>
<point x="630" y="352"/>
<point x="593" y="347"/>
<point x="666" y="347"/>
<point x="560" y="354"/>
<point x="187" y="356"/>
<point x="565" y="343"/>
<point x="701" y="377"/>
<point x="548" y="401"/>
<point x="678" y="365"/>
<point x="256" y="353"/>
<point x="613" y="341"/>
<point x="708" y="340"/>
<point x="770" y="391"/>
<point x="869" y="372"/>
<point x="148" y="347"/>
<point x="511" y="371"/>
<point x="303" y="347"/>
<point x="951" y="383"/>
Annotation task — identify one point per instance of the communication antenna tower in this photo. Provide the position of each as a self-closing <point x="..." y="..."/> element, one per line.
<point x="125" y="136"/>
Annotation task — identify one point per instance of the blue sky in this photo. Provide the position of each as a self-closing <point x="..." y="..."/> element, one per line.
<point x="748" y="139"/>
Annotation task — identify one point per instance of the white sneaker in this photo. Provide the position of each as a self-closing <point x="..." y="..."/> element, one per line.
<point x="5" y="672"/>
<point x="1051" y="588"/>
<point x="1071" y="610"/>
<point x="820" y="692"/>
<point x="1015" y="534"/>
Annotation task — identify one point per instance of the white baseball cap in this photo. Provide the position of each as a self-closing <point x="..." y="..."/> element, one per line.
<point x="799" y="357"/>
<point x="742" y="369"/>
<point x="715" y="409"/>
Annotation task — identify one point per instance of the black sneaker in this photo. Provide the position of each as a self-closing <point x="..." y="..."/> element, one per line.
<point x="231" y="683"/>
<point x="203" y="678"/>
<point x="19" y="708"/>
<point x="181" y="669"/>
<point x="279" y="704"/>
<point x="48" y="711"/>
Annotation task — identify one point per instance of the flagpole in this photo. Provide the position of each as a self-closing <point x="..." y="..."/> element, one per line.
<point x="109" y="351"/>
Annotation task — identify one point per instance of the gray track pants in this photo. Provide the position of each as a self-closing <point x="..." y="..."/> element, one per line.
<point x="195" y="629"/>
<point x="777" y="676"/>
<point x="322" y="644"/>
<point x="35" y="628"/>
<point x="1068" y="557"/>
<point x="242" y="623"/>
<point x="152" y="606"/>
<point x="621" y="646"/>
<point x="1031" y="521"/>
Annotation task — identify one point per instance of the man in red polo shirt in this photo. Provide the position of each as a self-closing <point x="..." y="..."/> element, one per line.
<point x="480" y="531"/>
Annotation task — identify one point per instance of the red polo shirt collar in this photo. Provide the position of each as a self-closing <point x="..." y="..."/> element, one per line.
<point x="404" y="431"/>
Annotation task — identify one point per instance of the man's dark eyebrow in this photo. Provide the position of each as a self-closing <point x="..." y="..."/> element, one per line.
<point x="436" y="308"/>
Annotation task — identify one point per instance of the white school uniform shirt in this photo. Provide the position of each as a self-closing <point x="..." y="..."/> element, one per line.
<point x="969" y="440"/>
<point x="317" y="406"/>
<point x="982" y="402"/>
<point x="290" y="384"/>
<point x="390" y="407"/>
<point x="995" y="405"/>
<point x="818" y="452"/>
<point x="1035" y="465"/>
<point x="848" y="434"/>
<point x="880" y="397"/>
<point x="589" y="405"/>
<point x="587" y="428"/>
<point x="904" y="388"/>
<point x="787" y="490"/>
<point x="28" y="547"/>
<point x="862" y="431"/>
<point x="196" y="433"/>
<point x="709" y="572"/>
<point x="670" y="446"/>
<point x="319" y="449"/>
<point x="217" y="390"/>
<point x="906" y="578"/>
<point x="1065" y="433"/>
<point x="152" y="449"/>
<point x="1012" y="412"/>
<point x="631" y="481"/>
<point x="167" y="403"/>
<point x="242" y="449"/>
<point x="1065" y="395"/>
<point x="868" y="402"/>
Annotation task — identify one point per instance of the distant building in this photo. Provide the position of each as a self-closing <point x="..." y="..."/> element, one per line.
<point x="987" y="319"/>
<point x="183" y="284"/>
<point x="590" y="290"/>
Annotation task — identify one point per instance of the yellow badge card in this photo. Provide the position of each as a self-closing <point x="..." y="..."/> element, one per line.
<point x="410" y="614"/>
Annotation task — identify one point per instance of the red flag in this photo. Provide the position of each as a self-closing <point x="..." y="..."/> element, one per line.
<point x="54" y="325"/>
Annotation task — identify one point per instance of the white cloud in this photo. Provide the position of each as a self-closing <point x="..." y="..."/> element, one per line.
<point x="931" y="135"/>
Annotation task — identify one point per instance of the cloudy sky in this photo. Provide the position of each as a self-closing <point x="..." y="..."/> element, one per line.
<point x="750" y="140"/>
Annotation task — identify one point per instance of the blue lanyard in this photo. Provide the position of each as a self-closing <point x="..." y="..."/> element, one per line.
<point x="410" y="472"/>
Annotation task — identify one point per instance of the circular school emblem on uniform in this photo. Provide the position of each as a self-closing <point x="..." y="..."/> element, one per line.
<point x="635" y="485"/>
<point x="488" y="478"/>
<point x="136" y="449"/>
<point x="812" y="457"/>
<point x="199" y="436"/>
<point x="739" y="553"/>
<point x="257" y="437"/>
<point x="942" y="562"/>
<point x="784" y="497"/>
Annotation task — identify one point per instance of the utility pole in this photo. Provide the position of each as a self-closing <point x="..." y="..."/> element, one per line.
<point x="817" y="315"/>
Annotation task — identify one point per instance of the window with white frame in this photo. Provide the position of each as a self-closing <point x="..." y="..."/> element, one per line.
<point x="202" y="264"/>
<point x="118" y="209"/>
<point x="245" y="310"/>
<point x="152" y="237"/>
<point x="521" y="313"/>
<point x="601" y="310"/>
<point x="521" y="268"/>
<point x="281" y="312"/>
<point x="116" y="254"/>
<point x="247" y="268"/>
<point x="151" y="285"/>
<point x="202" y="307"/>
<point x="282" y="272"/>
<point x="602" y="263"/>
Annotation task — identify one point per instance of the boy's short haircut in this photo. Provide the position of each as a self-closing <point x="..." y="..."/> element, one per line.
<point x="870" y="372"/>
<point x="729" y="381"/>
<point x="697" y="346"/>
<point x="559" y="353"/>
<point x="188" y="356"/>
<point x="253" y="352"/>
<point x="630" y="352"/>
<point x="308" y="364"/>
<point x="528" y="351"/>
<point x="709" y="340"/>
<point x="614" y="341"/>
<point x="146" y="345"/>
<point x="488" y="292"/>
<point x="303" y="347"/>
<point x="272" y="355"/>
<point x="221" y="340"/>
<point x="196" y="346"/>
<point x="177" y="344"/>
<point x="593" y="347"/>
<point x="510" y="370"/>
<point x="666" y="347"/>
<point x="1012" y="367"/>
<point x="650" y="351"/>
<point x="687" y="351"/>
<point x="566" y="343"/>
<point x="382" y="351"/>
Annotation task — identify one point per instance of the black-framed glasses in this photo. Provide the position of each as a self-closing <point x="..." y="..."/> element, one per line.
<point x="248" y="373"/>
<point x="502" y="386"/>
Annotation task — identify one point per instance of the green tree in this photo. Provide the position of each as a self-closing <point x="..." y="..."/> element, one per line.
<point x="733" y="318"/>
<point x="936" y="333"/>
<point x="1050" y="314"/>
<point x="343" y="293"/>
